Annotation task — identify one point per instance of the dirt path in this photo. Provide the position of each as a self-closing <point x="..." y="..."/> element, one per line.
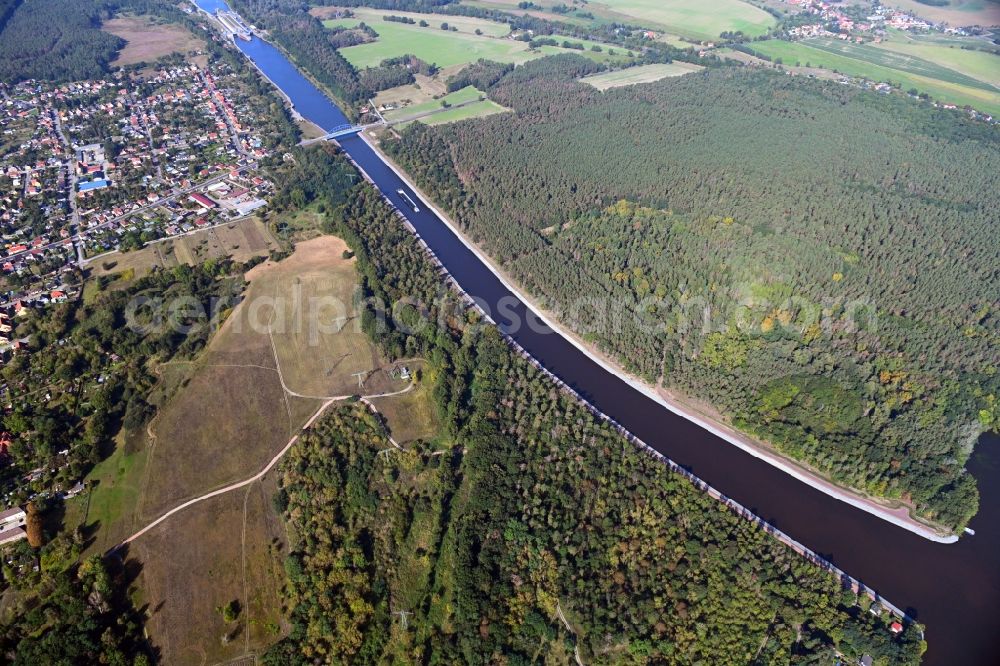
<point x="232" y="486"/>
<point x="270" y="465"/>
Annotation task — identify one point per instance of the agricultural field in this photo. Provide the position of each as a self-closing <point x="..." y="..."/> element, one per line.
<point x="149" y="39"/>
<point x="702" y="19"/>
<point x="979" y="65"/>
<point x="242" y="240"/>
<point x="683" y="18"/>
<point x="538" y="12"/>
<point x="913" y="63"/>
<point x="373" y="17"/>
<point x="956" y="12"/>
<point x="860" y="62"/>
<point x="640" y="74"/>
<point x="431" y="44"/>
<point x="446" y="48"/>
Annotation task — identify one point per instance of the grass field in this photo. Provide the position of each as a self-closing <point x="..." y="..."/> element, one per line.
<point x="909" y="63"/>
<point x="316" y="329"/>
<point x="686" y="18"/>
<point x="113" y="490"/>
<point x="433" y="46"/>
<point x="241" y="240"/>
<point x="466" y="94"/>
<point x="474" y="110"/>
<point x="979" y="65"/>
<point x="464" y="24"/>
<point x="467" y="97"/>
<point x="790" y="53"/>
<point x="411" y="416"/>
<point x="293" y="341"/>
<point x="213" y="553"/>
<point x="640" y="74"/>
<point x="148" y="40"/>
<point x="703" y="19"/>
<point x="538" y="12"/>
<point x="446" y="48"/>
<point x="219" y="419"/>
<point x="956" y="12"/>
<point x="424" y="89"/>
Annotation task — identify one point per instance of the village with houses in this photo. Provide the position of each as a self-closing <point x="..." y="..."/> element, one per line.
<point x="91" y="168"/>
<point x="182" y="155"/>
<point x="821" y="18"/>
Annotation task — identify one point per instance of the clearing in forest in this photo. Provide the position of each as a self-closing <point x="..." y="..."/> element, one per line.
<point x="413" y="415"/>
<point x="463" y="96"/>
<point x="473" y="110"/>
<point x="149" y="38"/>
<point x="640" y="74"/>
<point x="459" y="105"/>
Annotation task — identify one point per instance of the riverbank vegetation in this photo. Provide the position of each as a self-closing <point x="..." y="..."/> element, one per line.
<point x="530" y="530"/>
<point x="835" y="302"/>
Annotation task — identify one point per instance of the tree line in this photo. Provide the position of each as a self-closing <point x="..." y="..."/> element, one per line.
<point x="528" y="529"/>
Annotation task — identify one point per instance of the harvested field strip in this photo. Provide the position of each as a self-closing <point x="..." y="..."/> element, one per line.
<point x="640" y="74"/>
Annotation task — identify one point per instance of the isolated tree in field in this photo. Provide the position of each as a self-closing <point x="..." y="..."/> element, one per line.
<point x="231" y="611"/>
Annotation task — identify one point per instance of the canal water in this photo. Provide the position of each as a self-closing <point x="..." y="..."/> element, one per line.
<point x="954" y="589"/>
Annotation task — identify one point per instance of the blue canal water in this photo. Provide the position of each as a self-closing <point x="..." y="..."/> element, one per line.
<point x="953" y="589"/>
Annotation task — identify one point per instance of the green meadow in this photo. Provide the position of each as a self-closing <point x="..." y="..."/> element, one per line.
<point x="446" y="48"/>
<point x="702" y="19"/>
<point x="474" y="110"/>
<point x="695" y="19"/>
<point x="871" y="63"/>
<point x="466" y="94"/>
<point x="980" y="65"/>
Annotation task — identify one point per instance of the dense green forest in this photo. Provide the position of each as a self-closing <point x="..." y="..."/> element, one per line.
<point x="529" y="530"/>
<point x="62" y="40"/>
<point x="56" y="40"/>
<point x="80" y="617"/>
<point x="818" y="262"/>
